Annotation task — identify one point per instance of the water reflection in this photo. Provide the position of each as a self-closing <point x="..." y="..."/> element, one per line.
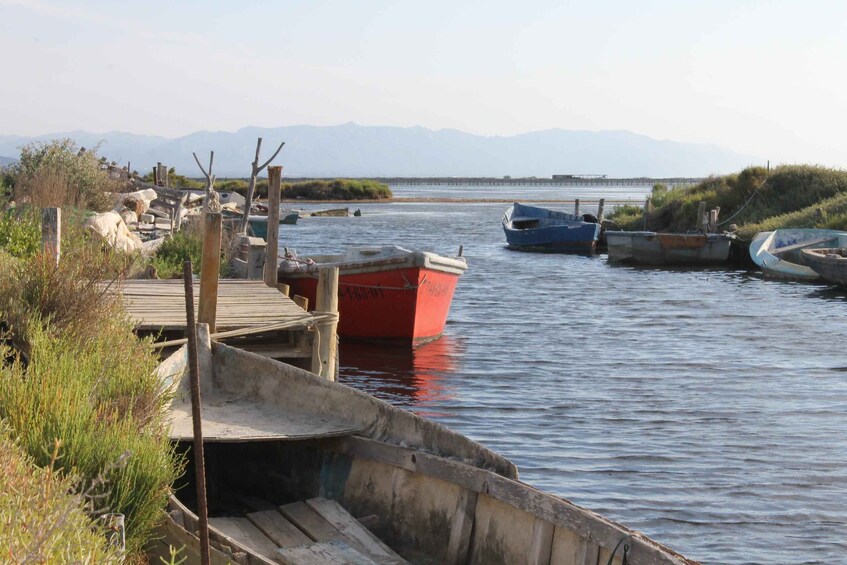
<point x="407" y="377"/>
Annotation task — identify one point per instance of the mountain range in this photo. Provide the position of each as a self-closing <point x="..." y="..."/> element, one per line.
<point x="352" y="150"/>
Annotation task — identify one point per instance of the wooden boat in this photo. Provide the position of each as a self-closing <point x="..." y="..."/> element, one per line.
<point x="778" y="252"/>
<point x="386" y="293"/>
<point x="303" y="471"/>
<point x="829" y="263"/>
<point x="259" y="224"/>
<point x="531" y="228"/>
<point x="342" y="212"/>
<point x="651" y="248"/>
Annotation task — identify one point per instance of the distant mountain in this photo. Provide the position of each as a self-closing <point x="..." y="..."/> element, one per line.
<point x="6" y="161"/>
<point x="352" y="150"/>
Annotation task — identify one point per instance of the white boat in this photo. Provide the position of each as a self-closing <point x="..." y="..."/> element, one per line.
<point x="301" y="470"/>
<point x="778" y="252"/>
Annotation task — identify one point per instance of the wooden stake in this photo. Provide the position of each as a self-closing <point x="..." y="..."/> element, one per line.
<point x="326" y="300"/>
<point x="272" y="247"/>
<point x="646" y="213"/>
<point x="601" y="209"/>
<point x="576" y="207"/>
<point x="51" y="233"/>
<point x="284" y="288"/>
<point x="194" y="375"/>
<point x="702" y="220"/>
<point x="209" y="270"/>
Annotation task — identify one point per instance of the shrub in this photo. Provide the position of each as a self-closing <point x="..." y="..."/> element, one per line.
<point x="187" y="244"/>
<point x="339" y="189"/>
<point x="42" y="520"/>
<point x="59" y="173"/>
<point x="101" y="399"/>
<point x="20" y="232"/>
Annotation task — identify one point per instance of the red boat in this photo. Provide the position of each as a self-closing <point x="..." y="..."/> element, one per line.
<point x="385" y="292"/>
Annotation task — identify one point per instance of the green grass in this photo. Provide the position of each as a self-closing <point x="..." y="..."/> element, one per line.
<point x="184" y="245"/>
<point x="790" y="196"/>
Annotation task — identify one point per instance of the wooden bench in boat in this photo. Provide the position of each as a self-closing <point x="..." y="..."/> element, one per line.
<point x="318" y="531"/>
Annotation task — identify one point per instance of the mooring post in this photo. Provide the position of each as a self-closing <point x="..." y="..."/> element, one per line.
<point x="51" y="233"/>
<point x="702" y="220"/>
<point x="194" y="376"/>
<point x="576" y="207"/>
<point x="646" y="213"/>
<point x="713" y="219"/>
<point x="601" y="209"/>
<point x="210" y="267"/>
<point x="272" y="248"/>
<point x="326" y="302"/>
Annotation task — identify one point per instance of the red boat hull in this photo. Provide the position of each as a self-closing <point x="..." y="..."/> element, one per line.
<point x="408" y="303"/>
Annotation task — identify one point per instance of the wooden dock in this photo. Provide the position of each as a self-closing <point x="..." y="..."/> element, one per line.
<point x="262" y="319"/>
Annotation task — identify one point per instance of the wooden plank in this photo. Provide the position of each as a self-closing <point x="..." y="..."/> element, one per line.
<point x="210" y="270"/>
<point x="305" y="518"/>
<point x="274" y="525"/>
<point x="334" y="552"/>
<point x="272" y="247"/>
<point x="345" y="523"/>
<point x="542" y="543"/>
<point x="458" y="546"/>
<point x="244" y="532"/>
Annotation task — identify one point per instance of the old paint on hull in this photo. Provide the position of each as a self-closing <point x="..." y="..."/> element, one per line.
<point x="651" y="248"/>
<point x="532" y="228"/>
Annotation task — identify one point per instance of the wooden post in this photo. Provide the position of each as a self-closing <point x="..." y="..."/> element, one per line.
<point x="284" y="288"/>
<point x="209" y="269"/>
<point x="702" y="221"/>
<point x="713" y="219"/>
<point x="576" y="207"/>
<point x="194" y="376"/>
<point x="326" y="301"/>
<point x="646" y="213"/>
<point x="51" y="233"/>
<point x="601" y="209"/>
<point x="272" y="246"/>
<point x="160" y="178"/>
<point x="301" y="301"/>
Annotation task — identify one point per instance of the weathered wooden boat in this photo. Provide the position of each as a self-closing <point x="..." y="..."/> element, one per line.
<point x="651" y="248"/>
<point x="385" y="293"/>
<point x="259" y="224"/>
<point x="303" y="471"/>
<point x="778" y="252"/>
<point x="341" y="212"/>
<point x="829" y="263"/>
<point x="532" y="228"/>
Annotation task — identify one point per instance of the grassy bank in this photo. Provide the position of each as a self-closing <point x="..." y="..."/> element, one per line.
<point x="338" y="189"/>
<point x="790" y="196"/>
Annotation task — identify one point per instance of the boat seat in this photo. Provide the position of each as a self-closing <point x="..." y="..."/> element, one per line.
<point x="317" y="531"/>
<point x="242" y="421"/>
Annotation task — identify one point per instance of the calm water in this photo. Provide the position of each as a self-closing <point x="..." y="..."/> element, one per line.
<point x="706" y="408"/>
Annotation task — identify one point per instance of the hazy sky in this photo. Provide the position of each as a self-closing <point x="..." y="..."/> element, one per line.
<point x="764" y="78"/>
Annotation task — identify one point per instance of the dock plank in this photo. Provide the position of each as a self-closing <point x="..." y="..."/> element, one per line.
<point x="305" y="518"/>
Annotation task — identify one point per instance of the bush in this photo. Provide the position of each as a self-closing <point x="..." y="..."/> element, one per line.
<point x="59" y="173"/>
<point x="339" y="189"/>
<point x="41" y="519"/>
<point x="187" y="244"/>
<point x="20" y="232"/>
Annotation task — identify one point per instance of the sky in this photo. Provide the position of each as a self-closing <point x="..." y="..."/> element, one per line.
<point x="764" y="78"/>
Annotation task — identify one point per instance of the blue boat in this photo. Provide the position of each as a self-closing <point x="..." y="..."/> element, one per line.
<point x="531" y="228"/>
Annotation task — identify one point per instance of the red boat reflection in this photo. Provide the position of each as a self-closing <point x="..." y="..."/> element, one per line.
<point x="413" y="378"/>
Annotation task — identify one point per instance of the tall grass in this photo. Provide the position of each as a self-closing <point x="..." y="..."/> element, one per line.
<point x="750" y="198"/>
<point x="41" y="519"/>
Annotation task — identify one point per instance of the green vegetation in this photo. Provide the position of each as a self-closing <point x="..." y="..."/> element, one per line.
<point x="20" y="232"/>
<point x="187" y="244"/>
<point x="41" y="519"/>
<point x="791" y="196"/>
<point x="338" y="189"/>
<point x="178" y="181"/>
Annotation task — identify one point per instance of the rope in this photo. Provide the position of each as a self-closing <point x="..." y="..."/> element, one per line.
<point x="755" y="192"/>
<point x="317" y="318"/>
<point x="624" y="560"/>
